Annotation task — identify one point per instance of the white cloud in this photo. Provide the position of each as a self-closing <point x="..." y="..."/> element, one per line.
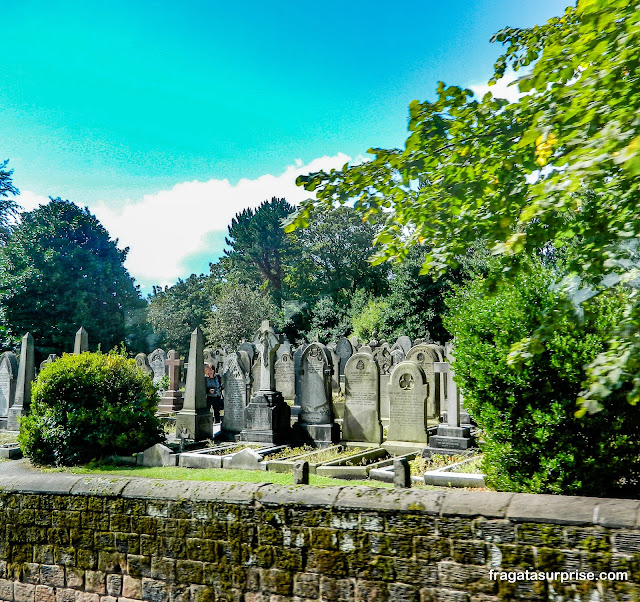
<point x="29" y="200"/>
<point x="165" y="228"/>
<point x="501" y="89"/>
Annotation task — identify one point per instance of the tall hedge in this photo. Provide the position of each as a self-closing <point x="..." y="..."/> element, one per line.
<point x="88" y="406"/>
<point x="532" y="440"/>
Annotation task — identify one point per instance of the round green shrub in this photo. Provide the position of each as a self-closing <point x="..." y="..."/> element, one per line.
<point x="89" y="406"/>
<point x="533" y="441"/>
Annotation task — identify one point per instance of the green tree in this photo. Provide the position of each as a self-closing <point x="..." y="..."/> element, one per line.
<point x="259" y="248"/>
<point x="60" y="270"/>
<point x="174" y="312"/>
<point x="533" y="442"/>
<point x="334" y="251"/>
<point x="511" y="173"/>
<point x="237" y="314"/>
<point x="8" y="207"/>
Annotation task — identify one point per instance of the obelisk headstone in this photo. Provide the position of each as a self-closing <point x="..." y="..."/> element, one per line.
<point x="195" y="417"/>
<point x="8" y="375"/>
<point x="81" y="343"/>
<point x="26" y="374"/>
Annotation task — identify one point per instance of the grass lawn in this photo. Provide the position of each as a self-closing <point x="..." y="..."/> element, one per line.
<point x="8" y="437"/>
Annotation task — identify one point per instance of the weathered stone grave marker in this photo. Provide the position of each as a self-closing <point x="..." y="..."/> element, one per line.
<point x="172" y="399"/>
<point x="267" y="417"/>
<point x="315" y="422"/>
<point x="81" y="342"/>
<point x="8" y="375"/>
<point x="236" y="379"/>
<point x="362" y="401"/>
<point x="26" y="374"/>
<point x="157" y="361"/>
<point x="408" y="394"/>
<point x="195" y="417"/>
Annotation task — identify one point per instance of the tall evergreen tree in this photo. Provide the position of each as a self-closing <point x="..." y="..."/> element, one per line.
<point x="60" y="270"/>
<point x="259" y="246"/>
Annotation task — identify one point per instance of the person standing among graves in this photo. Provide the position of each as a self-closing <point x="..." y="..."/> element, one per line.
<point x="214" y="391"/>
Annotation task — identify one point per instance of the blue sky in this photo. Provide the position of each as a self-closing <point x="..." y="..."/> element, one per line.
<point x="166" y="118"/>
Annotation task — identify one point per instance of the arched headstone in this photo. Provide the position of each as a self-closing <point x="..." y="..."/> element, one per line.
<point x="362" y="400"/>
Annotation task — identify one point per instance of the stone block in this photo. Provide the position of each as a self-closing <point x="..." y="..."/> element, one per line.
<point x="131" y="587"/>
<point x="306" y="585"/>
<point x="24" y="592"/>
<point x="489" y="504"/>
<point x="45" y="593"/>
<point x="95" y="581"/>
<point x="559" y="510"/>
<point x="114" y="585"/>
<point x="52" y="575"/>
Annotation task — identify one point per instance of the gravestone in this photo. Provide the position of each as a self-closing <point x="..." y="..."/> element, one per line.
<point x="143" y="363"/>
<point x="315" y="424"/>
<point x="297" y="357"/>
<point x="285" y="348"/>
<point x="81" y="342"/>
<point x="465" y="417"/>
<point x="172" y="399"/>
<point x="236" y="380"/>
<point x="335" y="374"/>
<point x="249" y="349"/>
<point x="344" y="349"/>
<point x="219" y="356"/>
<point x="255" y="373"/>
<point x="52" y="357"/>
<point x="8" y="375"/>
<point x="209" y="356"/>
<point x="397" y="355"/>
<point x="382" y="357"/>
<point x="26" y="374"/>
<point x="355" y="343"/>
<point x="362" y="400"/>
<point x="408" y="393"/>
<point x="451" y="436"/>
<point x="267" y="417"/>
<point x="195" y="417"/>
<point x="285" y="376"/>
<point x="404" y="342"/>
<point x="157" y="360"/>
<point x="424" y="355"/>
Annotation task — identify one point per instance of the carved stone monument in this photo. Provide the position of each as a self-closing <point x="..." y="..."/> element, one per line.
<point x="172" y="399"/>
<point x="157" y="361"/>
<point x="408" y="393"/>
<point x="8" y="375"/>
<point x="236" y="379"/>
<point x="81" y="343"/>
<point x="143" y="363"/>
<point x="26" y="374"/>
<point x="195" y="417"/>
<point x="315" y="424"/>
<point x="362" y="400"/>
<point x="451" y="436"/>
<point x="267" y="417"/>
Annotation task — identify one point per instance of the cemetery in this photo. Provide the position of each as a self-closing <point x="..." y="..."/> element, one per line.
<point x="414" y="379"/>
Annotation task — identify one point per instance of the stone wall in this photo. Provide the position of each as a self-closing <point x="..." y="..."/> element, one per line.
<point x="66" y="538"/>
